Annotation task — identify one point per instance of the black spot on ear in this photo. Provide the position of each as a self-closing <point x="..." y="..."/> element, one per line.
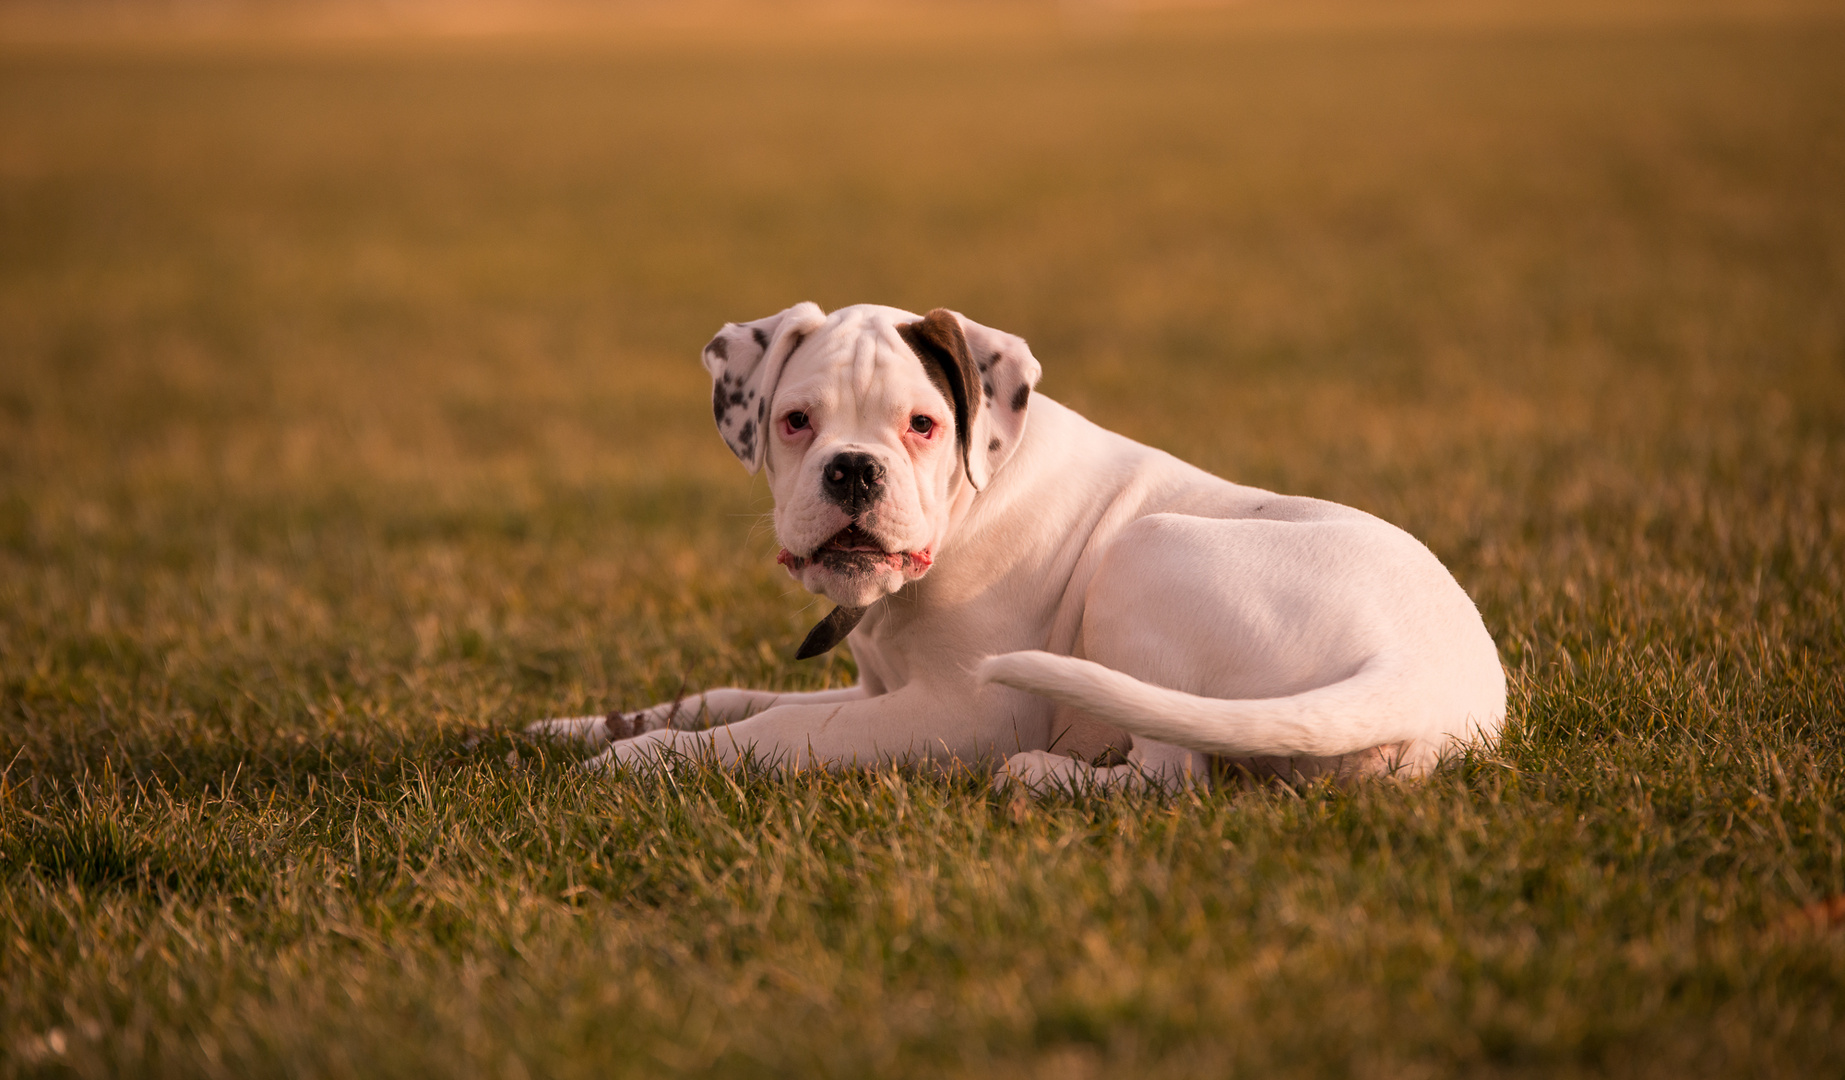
<point x="994" y="445"/>
<point x="736" y="397"/>
<point x="747" y="436"/>
<point x="762" y="339"/>
<point x="719" y="348"/>
<point x="988" y="387"/>
<point x="1019" y="396"/>
<point x="718" y="405"/>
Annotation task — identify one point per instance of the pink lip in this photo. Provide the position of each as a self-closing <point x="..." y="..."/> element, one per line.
<point x="858" y="547"/>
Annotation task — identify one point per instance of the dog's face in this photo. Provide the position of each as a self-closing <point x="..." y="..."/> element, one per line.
<point x="873" y="423"/>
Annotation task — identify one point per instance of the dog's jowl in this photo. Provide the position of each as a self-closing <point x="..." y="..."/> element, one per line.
<point x="1027" y="591"/>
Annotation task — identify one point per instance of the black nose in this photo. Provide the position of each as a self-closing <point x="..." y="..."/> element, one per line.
<point x="853" y="480"/>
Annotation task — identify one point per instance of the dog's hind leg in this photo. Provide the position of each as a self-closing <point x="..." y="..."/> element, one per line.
<point x="1149" y="764"/>
<point x="1335" y="648"/>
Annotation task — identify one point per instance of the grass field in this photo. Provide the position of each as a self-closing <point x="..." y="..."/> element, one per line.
<point x="350" y="409"/>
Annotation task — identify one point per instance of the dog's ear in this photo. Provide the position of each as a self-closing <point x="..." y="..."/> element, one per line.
<point x="745" y="361"/>
<point x="990" y="376"/>
<point x="937" y="341"/>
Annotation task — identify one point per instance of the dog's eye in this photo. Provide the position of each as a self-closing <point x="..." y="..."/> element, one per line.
<point x="921" y="425"/>
<point x="796" y="421"/>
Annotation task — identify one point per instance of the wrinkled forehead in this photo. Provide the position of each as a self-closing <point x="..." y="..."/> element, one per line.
<point x="857" y="358"/>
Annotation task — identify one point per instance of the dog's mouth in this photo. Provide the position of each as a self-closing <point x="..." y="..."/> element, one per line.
<point x="852" y="550"/>
<point x="852" y="540"/>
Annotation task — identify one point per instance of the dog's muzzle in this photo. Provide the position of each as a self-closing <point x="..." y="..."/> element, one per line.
<point x="853" y="480"/>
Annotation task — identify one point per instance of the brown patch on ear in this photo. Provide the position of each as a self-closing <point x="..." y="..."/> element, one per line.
<point x="937" y="341"/>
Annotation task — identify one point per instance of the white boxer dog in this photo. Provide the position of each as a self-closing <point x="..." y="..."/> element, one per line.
<point x="1021" y="586"/>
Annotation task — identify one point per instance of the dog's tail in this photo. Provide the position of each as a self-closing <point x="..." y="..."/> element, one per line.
<point x="1345" y="717"/>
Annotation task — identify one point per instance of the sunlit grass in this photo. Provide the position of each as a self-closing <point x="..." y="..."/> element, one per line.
<point x="350" y="413"/>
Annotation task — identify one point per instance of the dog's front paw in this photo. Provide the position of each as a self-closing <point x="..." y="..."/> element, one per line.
<point x="651" y="749"/>
<point x="588" y="732"/>
<point x="620" y="726"/>
<point x="593" y="732"/>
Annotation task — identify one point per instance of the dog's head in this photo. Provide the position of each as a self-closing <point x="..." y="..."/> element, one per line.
<point x="873" y="422"/>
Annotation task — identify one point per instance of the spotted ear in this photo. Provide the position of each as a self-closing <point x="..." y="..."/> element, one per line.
<point x="987" y="374"/>
<point x="937" y="341"/>
<point x="745" y="361"/>
<point x="1007" y="373"/>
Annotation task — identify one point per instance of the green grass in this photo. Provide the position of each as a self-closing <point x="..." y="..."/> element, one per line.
<point x="349" y="412"/>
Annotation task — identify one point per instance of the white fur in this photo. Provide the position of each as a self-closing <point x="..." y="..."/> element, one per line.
<point x="1084" y="587"/>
